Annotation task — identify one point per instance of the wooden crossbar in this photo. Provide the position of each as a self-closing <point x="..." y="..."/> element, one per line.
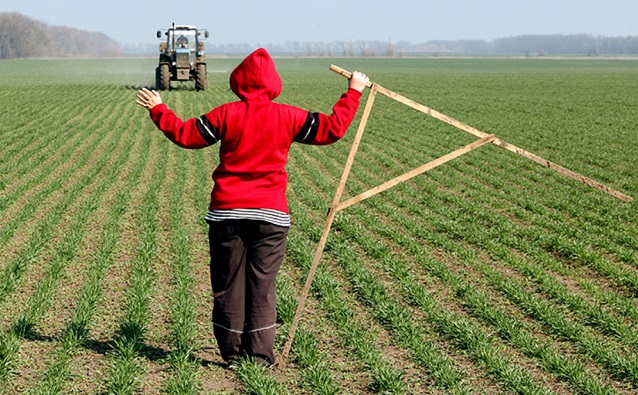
<point x="419" y="170"/>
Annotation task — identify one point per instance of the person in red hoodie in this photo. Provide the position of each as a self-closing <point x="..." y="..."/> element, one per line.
<point x="248" y="215"/>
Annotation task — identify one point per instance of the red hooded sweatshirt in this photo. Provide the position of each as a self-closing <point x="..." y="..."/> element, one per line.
<point x="255" y="135"/>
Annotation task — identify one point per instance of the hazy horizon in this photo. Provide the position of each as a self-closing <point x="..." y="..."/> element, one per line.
<point x="281" y="21"/>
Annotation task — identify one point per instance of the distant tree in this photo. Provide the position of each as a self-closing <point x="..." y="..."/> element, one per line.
<point x="363" y="48"/>
<point x="23" y="37"/>
<point x="390" y="50"/>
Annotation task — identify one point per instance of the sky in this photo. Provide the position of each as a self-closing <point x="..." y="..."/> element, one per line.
<point x="280" y="21"/>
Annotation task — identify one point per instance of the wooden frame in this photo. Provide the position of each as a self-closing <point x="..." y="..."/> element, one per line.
<point x="337" y="205"/>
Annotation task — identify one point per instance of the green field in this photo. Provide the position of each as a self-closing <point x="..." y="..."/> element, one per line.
<point x="487" y="275"/>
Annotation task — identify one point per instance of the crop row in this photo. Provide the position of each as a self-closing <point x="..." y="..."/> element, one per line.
<point x="416" y="207"/>
<point x="398" y="321"/>
<point x="489" y="274"/>
<point x="66" y="252"/>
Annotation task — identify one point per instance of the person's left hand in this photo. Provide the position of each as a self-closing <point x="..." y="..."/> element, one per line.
<point x="148" y="99"/>
<point x="358" y="81"/>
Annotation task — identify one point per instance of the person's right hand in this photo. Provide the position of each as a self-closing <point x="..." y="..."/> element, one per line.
<point x="358" y="81"/>
<point x="148" y="99"/>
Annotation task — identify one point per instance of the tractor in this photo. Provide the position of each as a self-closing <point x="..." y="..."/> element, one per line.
<point x="182" y="57"/>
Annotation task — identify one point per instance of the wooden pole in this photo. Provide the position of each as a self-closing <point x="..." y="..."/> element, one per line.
<point x="497" y="142"/>
<point x="283" y="359"/>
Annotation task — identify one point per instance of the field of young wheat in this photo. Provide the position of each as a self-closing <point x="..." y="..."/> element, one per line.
<point x="487" y="275"/>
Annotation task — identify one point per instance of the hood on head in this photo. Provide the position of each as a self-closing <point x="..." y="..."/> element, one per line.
<point x="256" y="77"/>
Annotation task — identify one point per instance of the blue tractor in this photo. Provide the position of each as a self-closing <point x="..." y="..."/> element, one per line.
<point x="182" y="57"/>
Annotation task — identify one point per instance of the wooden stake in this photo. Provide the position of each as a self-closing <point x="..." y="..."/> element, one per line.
<point x="497" y="142"/>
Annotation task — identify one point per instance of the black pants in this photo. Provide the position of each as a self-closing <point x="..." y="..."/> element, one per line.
<point x="245" y="259"/>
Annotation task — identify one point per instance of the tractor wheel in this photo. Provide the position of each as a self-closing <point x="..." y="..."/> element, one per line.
<point x="164" y="78"/>
<point x="201" y="80"/>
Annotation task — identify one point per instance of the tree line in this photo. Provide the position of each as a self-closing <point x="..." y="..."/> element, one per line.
<point x="23" y="37"/>
<point x="524" y="45"/>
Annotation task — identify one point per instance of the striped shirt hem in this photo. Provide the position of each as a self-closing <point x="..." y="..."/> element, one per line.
<point x="276" y="217"/>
